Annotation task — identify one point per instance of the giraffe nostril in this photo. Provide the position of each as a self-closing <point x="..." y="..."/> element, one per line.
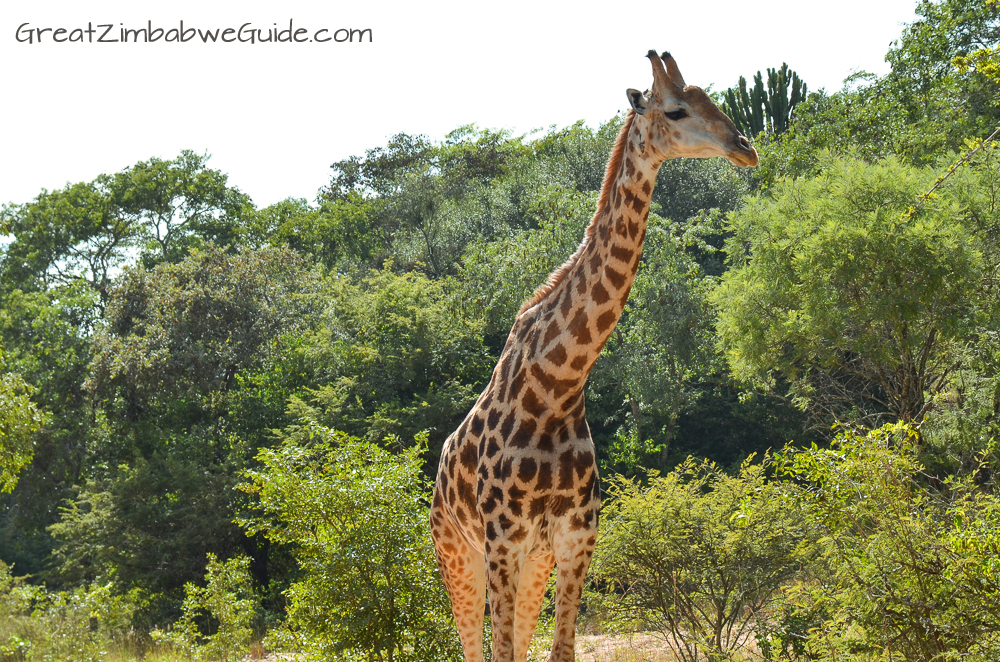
<point x="744" y="143"/>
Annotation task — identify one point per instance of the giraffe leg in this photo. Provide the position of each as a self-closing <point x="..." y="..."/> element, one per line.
<point x="573" y="554"/>
<point x="464" y="573"/>
<point x="530" y="592"/>
<point x="502" y="575"/>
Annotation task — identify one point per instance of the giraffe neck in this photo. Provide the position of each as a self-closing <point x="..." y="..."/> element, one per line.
<point x="562" y="329"/>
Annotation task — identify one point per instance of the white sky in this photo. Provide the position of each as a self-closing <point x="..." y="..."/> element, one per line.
<point x="275" y="116"/>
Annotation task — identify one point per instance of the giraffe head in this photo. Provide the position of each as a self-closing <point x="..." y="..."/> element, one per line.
<point x="681" y="120"/>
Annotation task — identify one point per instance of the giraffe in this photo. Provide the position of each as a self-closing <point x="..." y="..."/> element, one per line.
<point x="517" y="490"/>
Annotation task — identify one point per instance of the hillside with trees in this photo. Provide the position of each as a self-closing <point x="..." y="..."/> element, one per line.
<point x="219" y="421"/>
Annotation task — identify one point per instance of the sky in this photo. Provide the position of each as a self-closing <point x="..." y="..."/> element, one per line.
<point x="274" y="116"/>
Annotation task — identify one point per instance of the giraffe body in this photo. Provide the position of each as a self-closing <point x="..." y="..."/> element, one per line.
<point x="517" y="489"/>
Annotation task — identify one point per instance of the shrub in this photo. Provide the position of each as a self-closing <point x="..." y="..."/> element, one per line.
<point x="698" y="554"/>
<point x="218" y="618"/>
<point x="357" y="518"/>
<point x="912" y="571"/>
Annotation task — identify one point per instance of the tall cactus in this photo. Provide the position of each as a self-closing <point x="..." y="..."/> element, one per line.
<point x="757" y="111"/>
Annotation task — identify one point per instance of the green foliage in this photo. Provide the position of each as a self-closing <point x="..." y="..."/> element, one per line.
<point x="756" y="111"/>
<point x="699" y="555"/>
<point x="217" y="623"/>
<point x="87" y="231"/>
<point x="88" y="624"/>
<point x="663" y="344"/>
<point x="358" y="520"/>
<point x="20" y="418"/>
<point x="907" y="571"/>
<point x="834" y="287"/>
<point x="47" y="335"/>
<point x="392" y="354"/>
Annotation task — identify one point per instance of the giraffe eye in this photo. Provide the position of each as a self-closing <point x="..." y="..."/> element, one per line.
<point x="678" y="114"/>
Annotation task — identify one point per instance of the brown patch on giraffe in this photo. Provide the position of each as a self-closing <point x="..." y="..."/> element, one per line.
<point x="599" y="294"/>
<point x="579" y="328"/>
<point x="578" y="362"/>
<point x="527" y="469"/>
<point x="492" y="419"/>
<point x="638" y="204"/>
<point x="621" y="228"/>
<point x="647" y="189"/>
<point x="492" y="448"/>
<point x="466" y="493"/>
<point x="519" y="535"/>
<point x="508" y="425"/>
<point x="622" y="253"/>
<point x="566" y="463"/>
<point x="629" y="167"/>
<point x="557" y="356"/>
<point x="582" y="429"/>
<point x="530" y="402"/>
<point x="517" y="384"/>
<point x="443" y="479"/>
<point x="544" y="477"/>
<point x="633" y="231"/>
<point x="524" y="433"/>
<point x="551" y="334"/>
<point x="559" y="504"/>
<point x="469" y="456"/>
<point x="606" y="320"/>
<point x="491" y="532"/>
<point x="595" y="263"/>
<point x="616" y="278"/>
<point x="537" y="507"/>
<point x="584" y="463"/>
<point x="544" y="442"/>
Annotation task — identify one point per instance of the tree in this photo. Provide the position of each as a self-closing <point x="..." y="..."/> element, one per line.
<point x="87" y="232"/>
<point x="841" y="286"/>
<point x="358" y="522"/>
<point x="20" y="418"/>
<point x="392" y="354"/>
<point x="188" y="380"/>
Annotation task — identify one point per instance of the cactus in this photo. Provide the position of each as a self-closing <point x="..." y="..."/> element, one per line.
<point x="755" y="111"/>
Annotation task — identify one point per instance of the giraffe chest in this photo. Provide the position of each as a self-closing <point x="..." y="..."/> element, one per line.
<point x="507" y="473"/>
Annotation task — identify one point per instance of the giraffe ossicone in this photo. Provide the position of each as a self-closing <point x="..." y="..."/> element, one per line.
<point x="517" y="490"/>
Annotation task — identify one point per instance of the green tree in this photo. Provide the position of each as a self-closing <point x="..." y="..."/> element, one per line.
<point x="87" y="232"/>
<point x="188" y="379"/>
<point x="46" y="335"/>
<point x="392" y="354"/>
<point x="838" y="288"/>
<point x="20" y="419"/>
<point x="217" y="623"/>
<point x="357" y="518"/>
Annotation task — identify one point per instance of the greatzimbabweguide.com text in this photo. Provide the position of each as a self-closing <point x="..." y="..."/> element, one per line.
<point x="109" y="33"/>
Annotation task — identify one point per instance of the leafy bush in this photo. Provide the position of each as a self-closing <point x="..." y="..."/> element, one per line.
<point x="911" y="573"/>
<point x="85" y="625"/>
<point x="699" y="555"/>
<point x="357" y="518"/>
<point x="218" y="618"/>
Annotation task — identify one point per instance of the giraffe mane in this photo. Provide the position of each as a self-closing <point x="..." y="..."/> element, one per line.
<point x="603" y="205"/>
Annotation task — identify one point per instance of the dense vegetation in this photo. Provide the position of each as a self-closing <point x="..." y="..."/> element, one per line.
<point x="218" y="421"/>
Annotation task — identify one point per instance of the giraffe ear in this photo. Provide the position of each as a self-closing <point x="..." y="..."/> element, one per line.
<point x="636" y="100"/>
